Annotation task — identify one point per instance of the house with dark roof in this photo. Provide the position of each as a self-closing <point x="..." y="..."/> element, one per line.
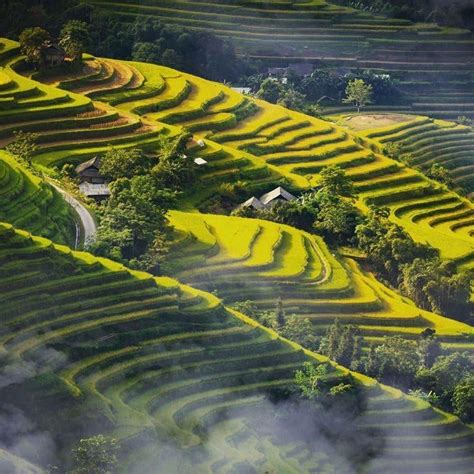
<point x="53" y="54"/>
<point x="89" y="171"/>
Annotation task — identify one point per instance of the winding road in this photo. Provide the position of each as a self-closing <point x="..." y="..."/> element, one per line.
<point x="88" y="229"/>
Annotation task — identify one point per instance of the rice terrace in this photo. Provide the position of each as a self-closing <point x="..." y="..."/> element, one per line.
<point x="236" y="236"/>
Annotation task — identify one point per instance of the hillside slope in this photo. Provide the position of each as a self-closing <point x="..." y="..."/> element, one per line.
<point x="29" y="203"/>
<point x="179" y="379"/>
<point x="244" y="139"/>
<point x="256" y="260"/>
<point x="432" y="62"/>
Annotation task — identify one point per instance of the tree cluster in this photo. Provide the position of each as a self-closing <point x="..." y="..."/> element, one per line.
<point x="328" y="211"/>
<point x="133" y="228"/>
<point x="419" y="365"/>
<point x="324" y="88"/>
<point x="414" y="268"/>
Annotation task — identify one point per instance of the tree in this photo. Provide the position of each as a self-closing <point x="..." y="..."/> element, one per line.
<point x="280" y="316"/>
<point x="32" y="41"/>
<point x="358" y="93"/>
<point x="429" y="350"/>
<point x="300" y="330"/>
<point x="23" y="146"/>
<point x="309" y="379"/>
<point x="270" y="90"/>
<point x="445" y="374"/>
<point x="292" y="99"/>
<point x="123" y="163"/>
<point x="335" y="181"/>
<point x="336" y="218"/>
<point x="132" y="218"/>
<point x="96" y="455"/>
<point x="463" y="399"/>
<point x="75" y="38"/>
<point x="441" y="174"/>
<point x="435" y="285"/>
<point x="396" y="361"/>
<point x="175" y="169"/>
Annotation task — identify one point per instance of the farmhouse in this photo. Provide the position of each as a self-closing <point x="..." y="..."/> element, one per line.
<point x="89" y="171"/>
<point x="53" y="55"/>
<point x="269" y="199"/>
<point x="98" y="192"/>
<point x="93" y="184"/>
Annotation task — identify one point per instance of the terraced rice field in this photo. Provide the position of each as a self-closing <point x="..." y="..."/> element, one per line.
<point x="430" y="141"/>
<point x="251" y="259"/>
<point x="29" y="203"/>
<point x="262" y="144"/>
<point x="160" y="361"/>
<point x="72" y="127"/>
<point x="431" y="61"/>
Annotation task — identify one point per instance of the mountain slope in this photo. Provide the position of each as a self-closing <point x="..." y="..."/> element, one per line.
<point x="432" y="62"/>
<point x="179" y="379"/>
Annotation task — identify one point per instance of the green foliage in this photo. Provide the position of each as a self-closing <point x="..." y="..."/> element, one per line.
<point x="270" y="90"/>
<point x="393" y="150"/>
<point x="387" y="245"/>
<point x="440" y="174"/>
<point x="75" y="39"/>
<point x="463" y="400"/>
<point x="96" y="455"/>
<point x="300" y="330"/>
<point x="280" y="316"/>
<point x="32" y="41"/>
<point x="335" y="181"/>
<point x="336" y="219"/>
<point x="358" y="93"/>
<point x="23" y="147"/>
<point x="124" y="163"/>
<point x="435" y="285"/>
<point x="174" y="169"/>
<point x="447" y="372"/>
<point x="395" y="362"/>
<point x="310" y="378"/>
<point x="342" y="344"/>
<point x="132" y="218"/>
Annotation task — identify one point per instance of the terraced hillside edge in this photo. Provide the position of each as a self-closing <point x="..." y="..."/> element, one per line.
<point x="254" y="141"/>
<point x="30" y="203"/>
<point x="431" y="62"/>
<point x="261" y="261"/>
<point x="429" y="141"/>
<point x="179" y="379"/>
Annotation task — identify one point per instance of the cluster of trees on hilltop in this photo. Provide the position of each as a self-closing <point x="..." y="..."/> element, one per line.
<point x="304" y="94"/>
<point x="148" y="40"/>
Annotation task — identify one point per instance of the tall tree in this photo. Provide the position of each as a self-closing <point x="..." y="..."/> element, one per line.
<point x="32" y="41"/>
<point x="358" y="93"/>
<point x="75" y="38"/>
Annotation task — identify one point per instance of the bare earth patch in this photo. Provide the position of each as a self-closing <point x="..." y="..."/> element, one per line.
<point x="369" y="121"/>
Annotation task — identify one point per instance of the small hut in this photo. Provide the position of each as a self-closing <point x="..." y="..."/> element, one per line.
<point x="89" y="171"/>
<point x="53" y="55"/>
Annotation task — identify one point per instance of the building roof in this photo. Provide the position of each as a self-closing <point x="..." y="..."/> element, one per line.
<point x="53" y="48"/>
<point x="301" y="69"/>
<point x="90" y="189"/>
<point x="275" y="194"/>
<point x="92" y="163"/>
<point x="200" y="161"/>
<point x="253" y="202"/>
